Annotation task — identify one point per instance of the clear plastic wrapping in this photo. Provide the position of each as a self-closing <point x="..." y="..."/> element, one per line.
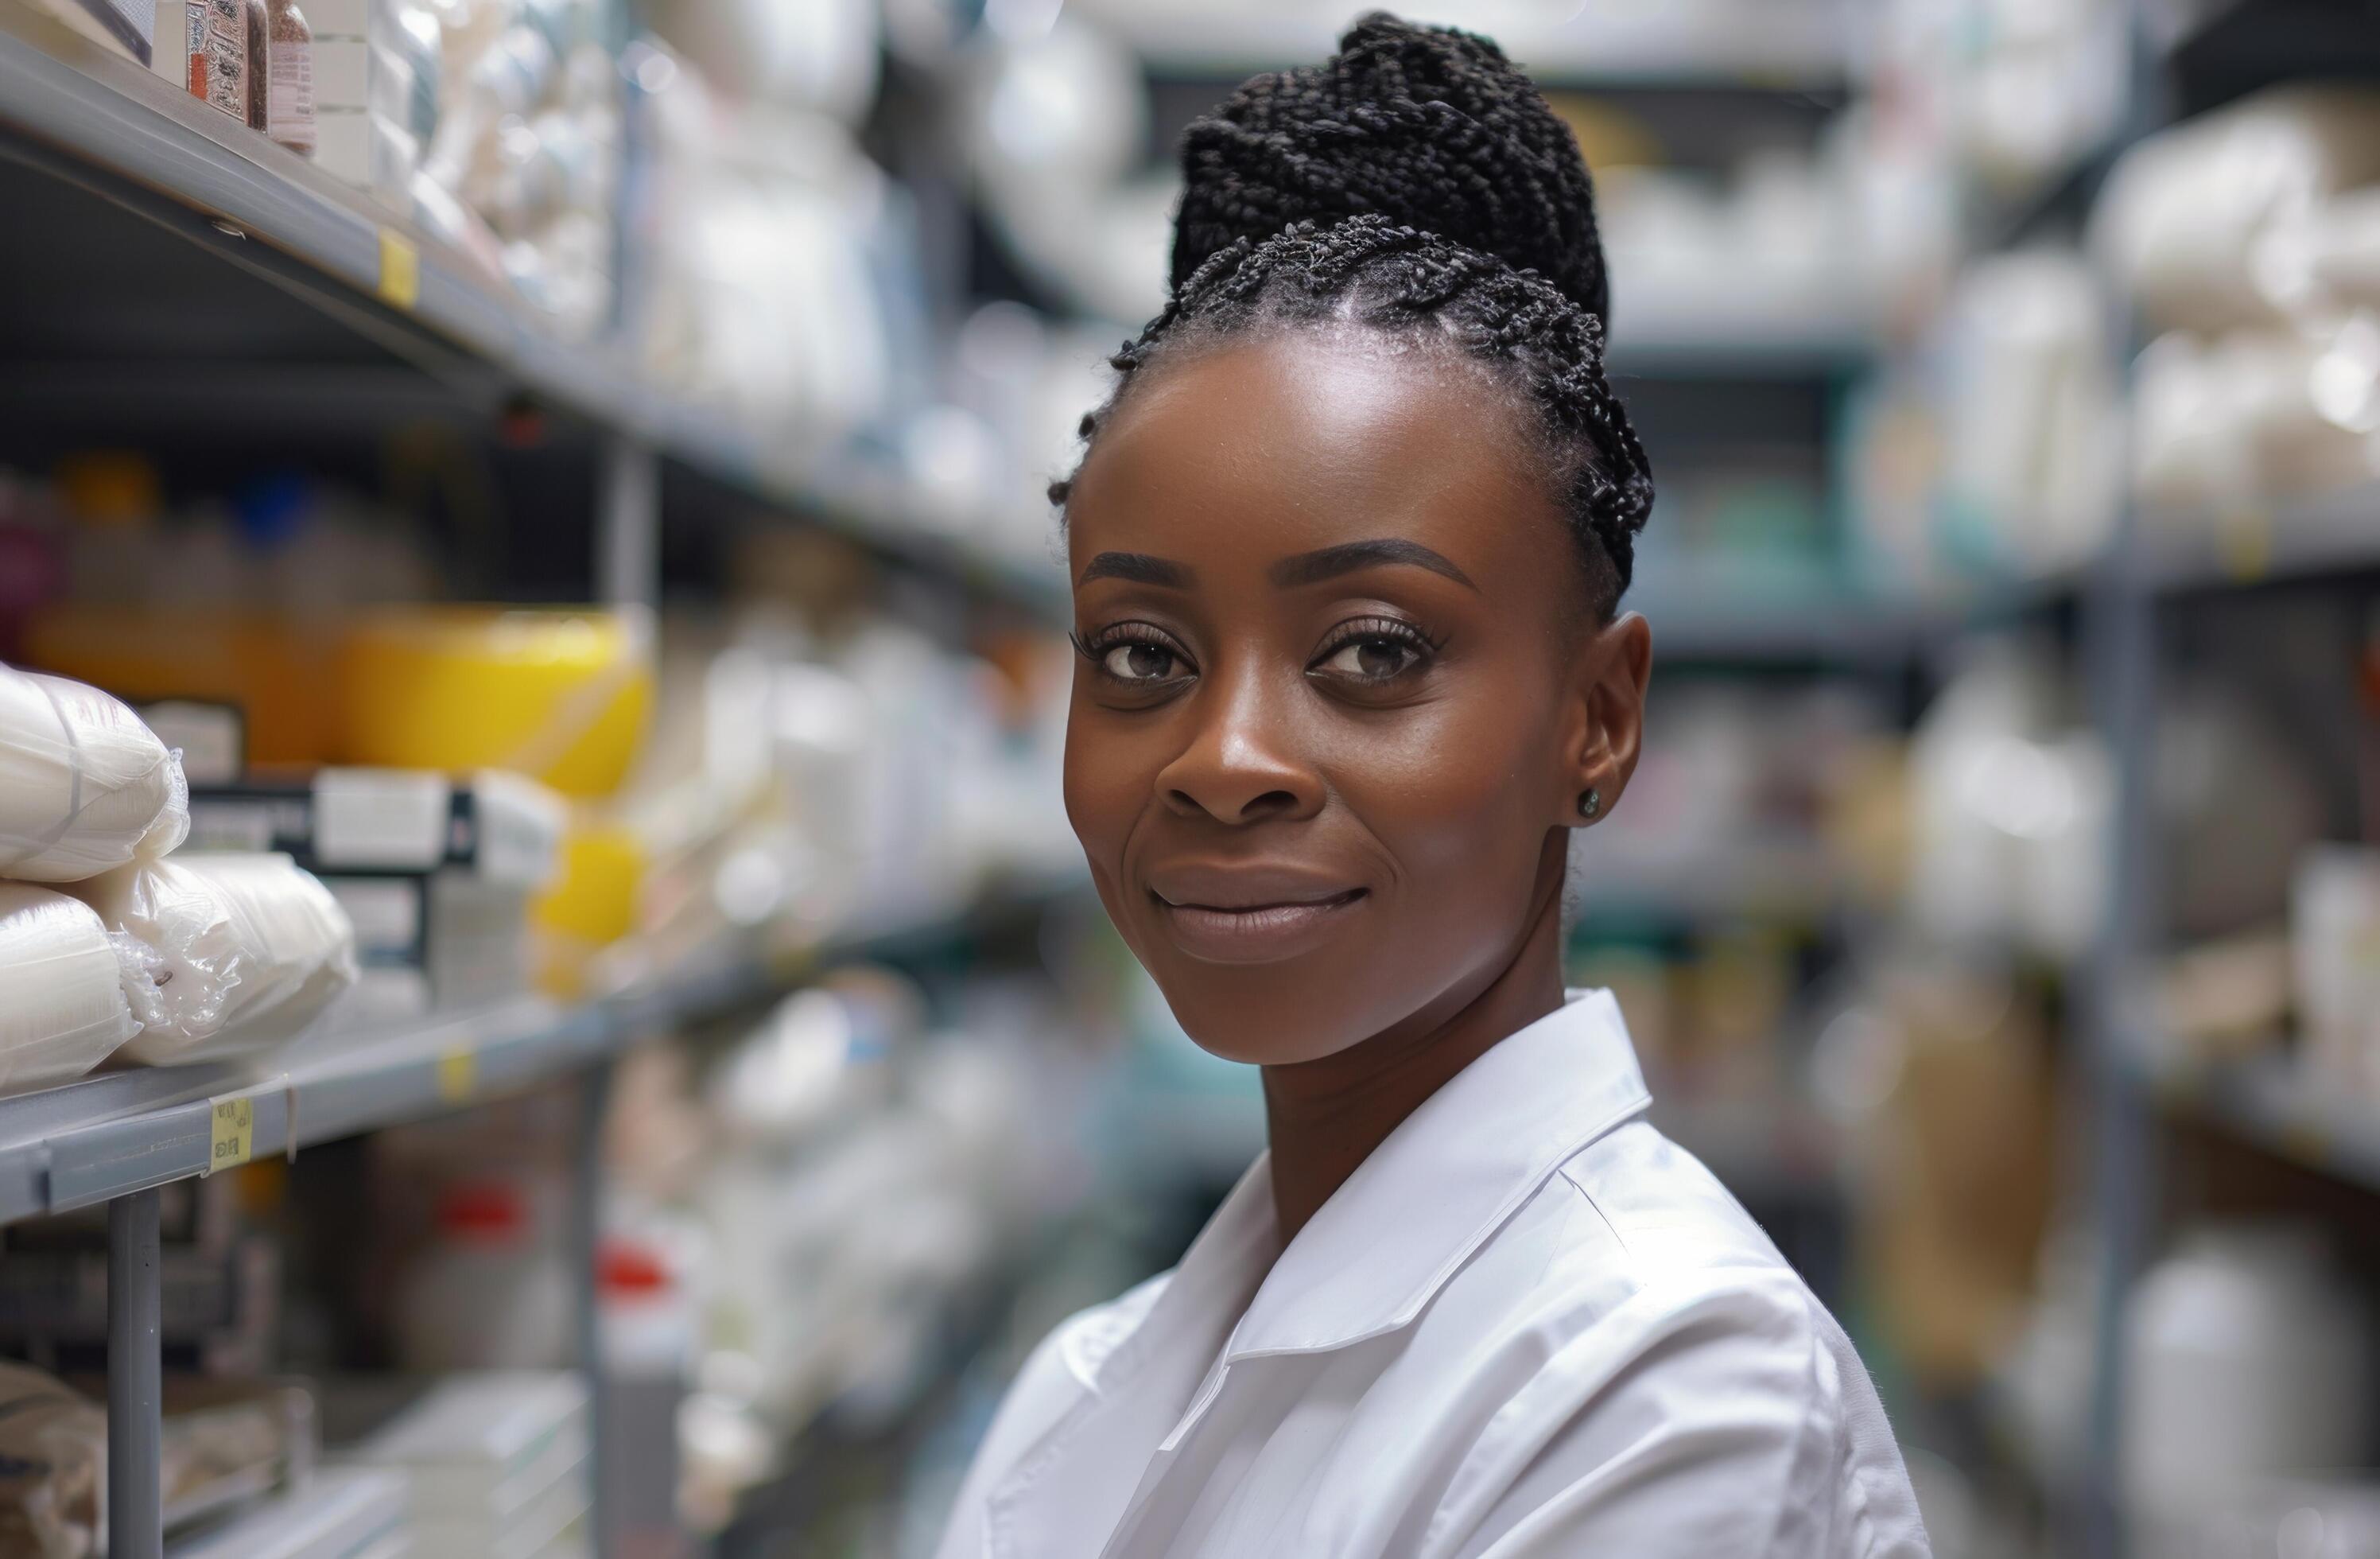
<point x="62" y="1007"/>
<point x="84" y="785"/>
<point x="224" y="952"/>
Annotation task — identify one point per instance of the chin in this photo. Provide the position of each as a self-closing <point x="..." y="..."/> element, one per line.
<point x="1270" y="1015"/>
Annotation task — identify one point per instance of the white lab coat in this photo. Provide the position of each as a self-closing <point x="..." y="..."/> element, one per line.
<point x="1527" y="1325"/>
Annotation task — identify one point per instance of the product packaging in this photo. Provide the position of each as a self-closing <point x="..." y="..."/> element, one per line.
<point x="492" y="825"/>
<point x="84" y="785"/>
<point x="52" y="1467"/>
<point x="234" y="950"/>
<point x="498" y="1461"/>
<point x="2335" y="935"/>
<point x="289" y="70"/>
<point x="215" y="46"/>
<point x="258" y="32"/>
<point x="63" y="1008"/>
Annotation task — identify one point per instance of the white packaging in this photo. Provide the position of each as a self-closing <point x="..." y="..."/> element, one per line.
<point x="2246" y="1358"/>
<point x="2185" y="213"/>
<point x="234" y="950"/>
<point x="84" y="785"/>
<point x="2335" y="941"/>
<point x="62" y="1004"/>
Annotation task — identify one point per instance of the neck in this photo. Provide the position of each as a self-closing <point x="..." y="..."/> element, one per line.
<point x="1324" y="1117"/>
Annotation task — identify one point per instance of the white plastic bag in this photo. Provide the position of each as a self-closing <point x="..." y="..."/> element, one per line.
<point x="231" y="951"/>
<point x="62" y="1004"/>
<point x="84" y="785"/>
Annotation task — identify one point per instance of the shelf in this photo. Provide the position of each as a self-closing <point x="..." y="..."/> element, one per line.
<point x="2297" y="540"/>
<point x="91" y="1141"/>
<point x="2272" y="1105"/>
<point x="166" y="169"/>
<point x="1767" y="46"/>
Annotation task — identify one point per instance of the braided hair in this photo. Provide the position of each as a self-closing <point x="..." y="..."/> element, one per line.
<point x="1416" y="186"/>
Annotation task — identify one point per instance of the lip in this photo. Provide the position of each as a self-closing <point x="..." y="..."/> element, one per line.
<point x="1249" y="915"/>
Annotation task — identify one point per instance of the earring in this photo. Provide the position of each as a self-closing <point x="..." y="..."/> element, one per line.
<point x="1590" y="803"/>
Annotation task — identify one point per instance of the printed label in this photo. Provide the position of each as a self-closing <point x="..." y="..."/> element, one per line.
<point x="232" y="1133"/>
<point x="289" y="94"/>
<point x="218" y="45"/>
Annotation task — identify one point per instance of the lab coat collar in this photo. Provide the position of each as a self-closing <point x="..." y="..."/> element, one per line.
<point x="1414" y="1212"/>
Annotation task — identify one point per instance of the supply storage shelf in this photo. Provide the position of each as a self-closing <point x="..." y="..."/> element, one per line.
<point x="2299" y="539"/>
<point x="92" y="1141"/>
<point x="2275" y="1105"/>
<point x="182" y="172"/>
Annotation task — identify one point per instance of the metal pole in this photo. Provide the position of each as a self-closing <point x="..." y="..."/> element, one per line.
<point x="586" y="1236"/>
<point x="136" y="1513"/>
<point x="628" y="525"/>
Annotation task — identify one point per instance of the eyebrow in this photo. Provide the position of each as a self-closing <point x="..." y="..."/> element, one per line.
<point x="1137" y="566"/>
<point x="1313" y="567"/>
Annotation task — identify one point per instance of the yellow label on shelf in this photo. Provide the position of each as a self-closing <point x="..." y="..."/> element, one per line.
<point x="458" y="1076"/>
<point x="2246" y="538"/>
<point x="232" y="1134"/>
<point x="400" y="270"/>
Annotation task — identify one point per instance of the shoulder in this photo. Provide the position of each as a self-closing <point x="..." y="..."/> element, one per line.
<point x="1672" y="1369"/>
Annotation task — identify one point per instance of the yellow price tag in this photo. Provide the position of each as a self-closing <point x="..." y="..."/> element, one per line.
<point x="231" y="1134"/>
<point x="400" y="270"/>
<point x="458" y="1076"/>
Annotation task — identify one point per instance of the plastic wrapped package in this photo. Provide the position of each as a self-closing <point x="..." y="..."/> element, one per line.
<point x="231" y="951"/>
<point x="84" y="785"/>
<point x="2187" y="215"/>
<point x="53" y="1466"/>
<point x="63" y="1008"/>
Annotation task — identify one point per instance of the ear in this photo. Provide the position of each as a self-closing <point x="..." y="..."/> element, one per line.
<point x="1609" y="671"/>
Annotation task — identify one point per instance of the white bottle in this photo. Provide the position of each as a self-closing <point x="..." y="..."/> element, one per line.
<point x="488" y="1295"/>
<point x="2246" y="1358"/>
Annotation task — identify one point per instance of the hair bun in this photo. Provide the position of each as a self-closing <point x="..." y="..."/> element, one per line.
<point x="1432" y="127"/>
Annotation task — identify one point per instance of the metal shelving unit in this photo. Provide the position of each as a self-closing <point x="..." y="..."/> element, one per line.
<point x="115" y="1140"/>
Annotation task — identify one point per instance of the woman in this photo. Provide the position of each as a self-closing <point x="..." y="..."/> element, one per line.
<point x="1347" y="547"/>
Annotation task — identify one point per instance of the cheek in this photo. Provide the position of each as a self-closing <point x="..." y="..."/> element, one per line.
<point x="1104" y="785"/>
<point x="1454" y="793"/>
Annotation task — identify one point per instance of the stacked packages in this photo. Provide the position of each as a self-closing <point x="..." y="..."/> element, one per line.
<point x="162" y="957"/>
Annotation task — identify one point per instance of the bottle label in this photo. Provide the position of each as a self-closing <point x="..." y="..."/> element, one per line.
<point x="289" y="95"/>
<point x="218" y="42"/>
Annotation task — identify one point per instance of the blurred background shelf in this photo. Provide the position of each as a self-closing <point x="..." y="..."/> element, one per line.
<point x="363" y="316"/>
<point x="2298" y="539"/>
<point x="2276" y="1106"/>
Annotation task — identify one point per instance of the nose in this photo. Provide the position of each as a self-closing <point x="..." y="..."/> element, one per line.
<point x="1242" y="764"/>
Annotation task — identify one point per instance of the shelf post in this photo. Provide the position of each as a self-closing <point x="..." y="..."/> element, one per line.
<point x="628" y="524"/>
<point x="136" y="1517"/>
<point x="586" y="1239"/>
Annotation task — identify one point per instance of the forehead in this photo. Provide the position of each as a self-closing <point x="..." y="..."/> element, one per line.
<point x="1241" y="454"/>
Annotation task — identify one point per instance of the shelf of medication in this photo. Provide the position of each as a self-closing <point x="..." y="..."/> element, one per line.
<point x="107" y="1136"/>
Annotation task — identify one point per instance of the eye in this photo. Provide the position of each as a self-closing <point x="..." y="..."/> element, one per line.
<point x="1373" y="659"/>
<point x="1140" y="663"/>
<point x="1372" y="650"/>
<point x="1136" y="655"/>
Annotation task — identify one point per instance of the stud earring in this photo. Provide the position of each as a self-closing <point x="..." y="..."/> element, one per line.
<point x="1590" y="803"/>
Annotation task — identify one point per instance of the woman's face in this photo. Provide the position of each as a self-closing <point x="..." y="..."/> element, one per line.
<point x="1338" y="695"/>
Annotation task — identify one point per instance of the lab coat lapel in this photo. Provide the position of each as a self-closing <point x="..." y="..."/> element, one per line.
<point x="1079" y="1485"/>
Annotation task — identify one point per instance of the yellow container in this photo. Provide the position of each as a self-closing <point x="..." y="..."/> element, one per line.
<point x="562" y="695"/>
